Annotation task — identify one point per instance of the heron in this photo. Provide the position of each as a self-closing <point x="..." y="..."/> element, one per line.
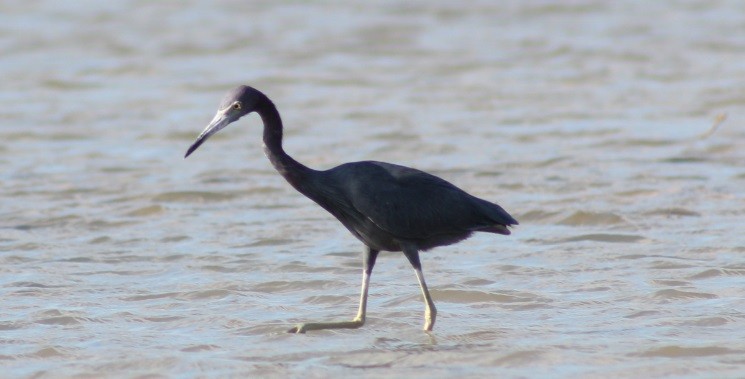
<point x="387" y="207"/>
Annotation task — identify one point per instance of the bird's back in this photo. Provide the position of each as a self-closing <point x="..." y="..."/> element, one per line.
<point x="382" y="203"/>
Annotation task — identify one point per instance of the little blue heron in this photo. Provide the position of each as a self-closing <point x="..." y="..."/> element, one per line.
<point x="386" y="206"/>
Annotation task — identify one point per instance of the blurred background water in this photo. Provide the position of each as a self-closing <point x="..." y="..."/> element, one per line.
<point x="592" y="122"/>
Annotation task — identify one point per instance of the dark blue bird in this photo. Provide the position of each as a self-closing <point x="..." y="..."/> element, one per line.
<point x="386" y="206"/>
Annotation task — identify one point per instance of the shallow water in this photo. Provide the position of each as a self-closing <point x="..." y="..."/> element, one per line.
<point x="592" y="123"/>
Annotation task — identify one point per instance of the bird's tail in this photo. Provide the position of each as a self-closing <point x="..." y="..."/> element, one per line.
<point x="498" y="218"/>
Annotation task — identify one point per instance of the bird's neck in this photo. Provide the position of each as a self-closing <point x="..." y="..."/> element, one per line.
<point x="292" y="170"/>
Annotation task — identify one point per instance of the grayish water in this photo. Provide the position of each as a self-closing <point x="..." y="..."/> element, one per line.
<point x="587" y="121"/>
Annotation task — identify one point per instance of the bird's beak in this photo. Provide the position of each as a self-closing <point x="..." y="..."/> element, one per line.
<point x="220" y="121"/>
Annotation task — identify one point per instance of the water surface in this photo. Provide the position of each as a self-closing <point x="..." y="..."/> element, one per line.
<point x="589" y="121"/>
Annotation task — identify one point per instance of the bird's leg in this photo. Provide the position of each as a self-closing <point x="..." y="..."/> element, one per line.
<point x="369" y="258"/>
<point x="430" y="312"/>
<point x="362" y="310"/>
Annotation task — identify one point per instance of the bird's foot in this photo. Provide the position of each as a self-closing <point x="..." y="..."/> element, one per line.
<point x="429" y="320"/>
<point x="306" y="326"/>
<point x="299" y="329"/>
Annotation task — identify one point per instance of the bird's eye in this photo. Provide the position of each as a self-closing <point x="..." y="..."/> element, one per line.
<point x="236" y="106"/>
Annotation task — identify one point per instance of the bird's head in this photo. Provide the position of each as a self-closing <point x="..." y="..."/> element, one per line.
<point x="237" y="103"/>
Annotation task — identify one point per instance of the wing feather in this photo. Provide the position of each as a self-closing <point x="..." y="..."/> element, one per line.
<point x="412" y="204"/>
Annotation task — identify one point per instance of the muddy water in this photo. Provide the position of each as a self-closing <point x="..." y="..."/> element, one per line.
<point x="595" y="124"/>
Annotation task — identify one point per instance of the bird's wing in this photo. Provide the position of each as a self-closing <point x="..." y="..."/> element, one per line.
<point x="409" y="203"/>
